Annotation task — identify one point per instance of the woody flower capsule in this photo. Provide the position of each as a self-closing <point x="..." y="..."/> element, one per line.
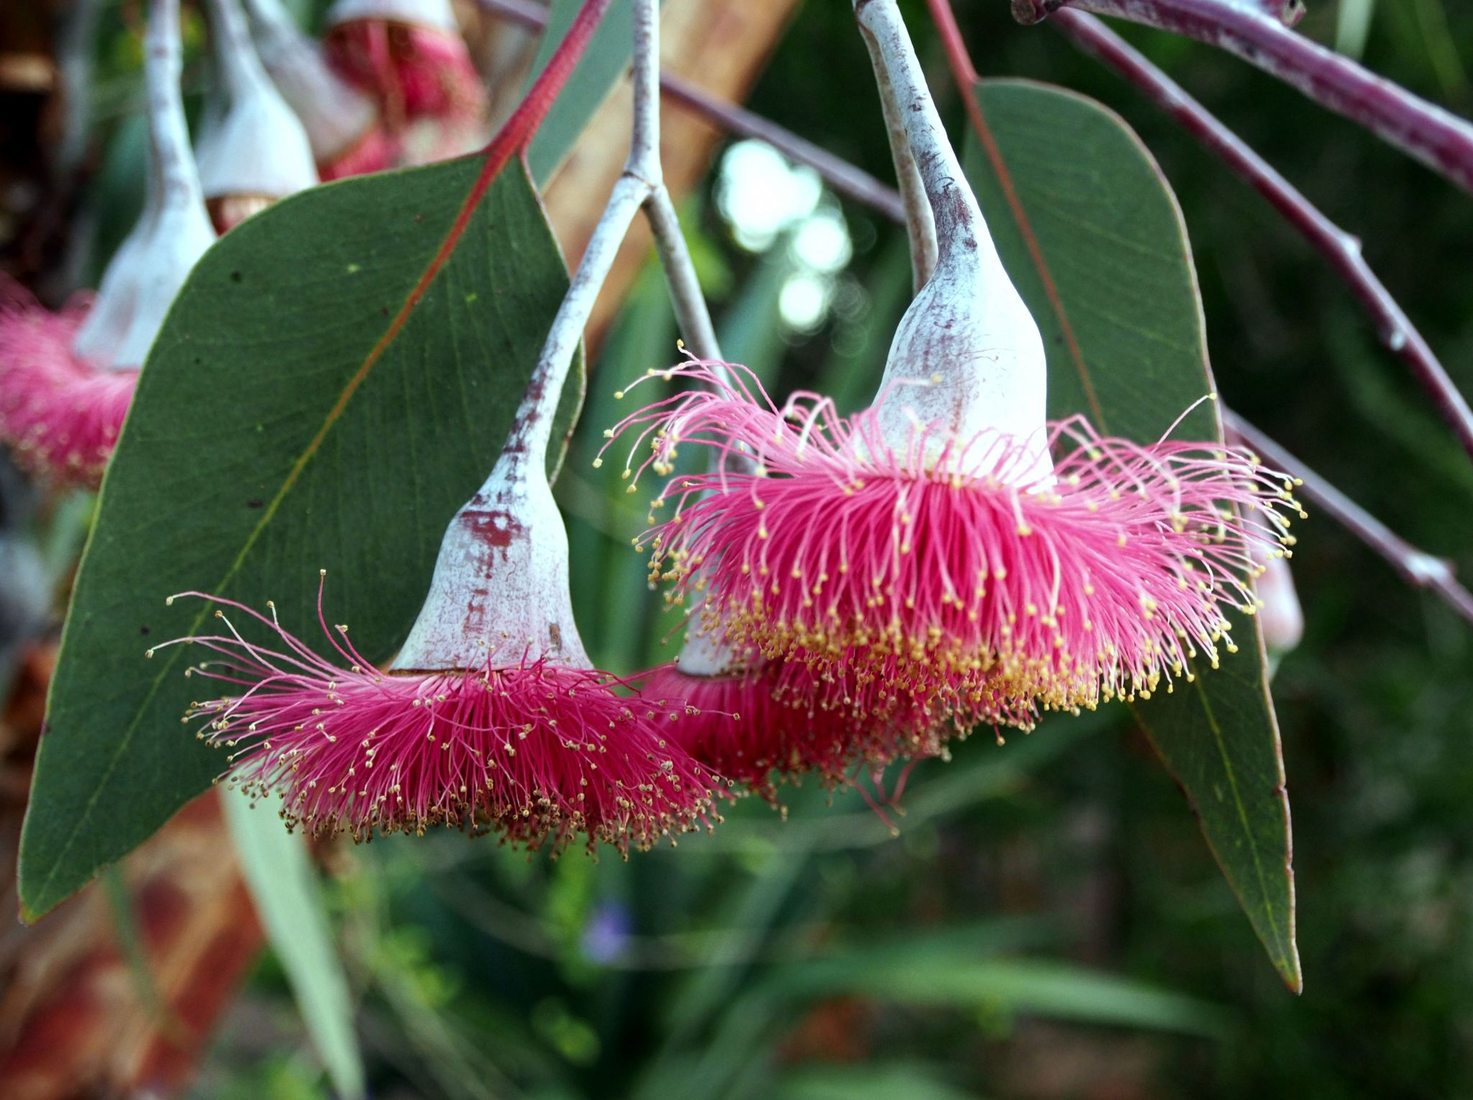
<point x="66" y="379"/>
<point x="949" y="539"/>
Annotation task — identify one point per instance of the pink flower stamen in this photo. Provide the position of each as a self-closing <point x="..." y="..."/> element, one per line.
<point x="947" y="565"/>
<point x="778" y="721"/>
<point x="60" y="413"/>
<point x="540" y="752"/>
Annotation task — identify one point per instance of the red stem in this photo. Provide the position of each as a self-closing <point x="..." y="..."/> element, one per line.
<point x="1338" y="247"/>
<point x="1417" y="567"/>
<point x="512" y="139"/>
<point x="1438" y="138"/>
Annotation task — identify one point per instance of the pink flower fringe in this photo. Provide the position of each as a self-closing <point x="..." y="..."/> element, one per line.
<point x="375" y="151"/>
<point x="777" y="720"/>
<point x="61" y="414"/>
<point x="539" y="752"/>
<point x="941" y="565"/>
<point x="415" y="72"/>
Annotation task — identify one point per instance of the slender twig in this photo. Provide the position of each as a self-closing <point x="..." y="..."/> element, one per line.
<point x="844" y="178"/>
<point x="172" y="173"/>
<point x="691" y="313"/>
<point x="920" y="222"/>
<point x="1340" y="248"/>
<point x="1417" y="567"/>
<point x="1436" y="137"/>
<point x="535" y="414"/>
<point x="641" y="184"/>
<point x="75" y="57"/>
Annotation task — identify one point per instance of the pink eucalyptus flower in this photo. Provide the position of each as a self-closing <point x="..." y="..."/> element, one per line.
<point x="66" y="380"/>
<point x="409" y="55"/>
<point x="375" y="151"/>
<point x="773" y="721"/>
<point x="958" y="566"/>
<point x="539" y="751"/>
<point x="58" y="411"/>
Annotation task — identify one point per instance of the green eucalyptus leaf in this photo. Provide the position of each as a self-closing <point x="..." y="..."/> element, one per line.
<point x="606" y="59"/>
<point x="291" y="418"/>
<point x="1093" y="237"/>
<point x="283" y="884"/>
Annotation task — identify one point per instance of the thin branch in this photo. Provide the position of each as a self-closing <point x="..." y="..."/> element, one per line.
<point x="1436" y="137"/>
<point x="1340" y="248"/>
<point x="535" y="414"/>
<point x="1417" y="567"/>
<point x="691" y="313"/>
<point x="689" y="303"/>
<point x="920" y="221"/>
<point x="844" y="178"/>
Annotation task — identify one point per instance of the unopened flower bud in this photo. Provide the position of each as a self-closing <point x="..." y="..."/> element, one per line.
<point x="252" y="148"/>
<point x="342" y="122"/>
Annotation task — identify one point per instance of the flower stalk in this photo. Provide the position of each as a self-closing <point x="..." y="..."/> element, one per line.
<point x="172" y="232"/>
<point x="967" y="354"/>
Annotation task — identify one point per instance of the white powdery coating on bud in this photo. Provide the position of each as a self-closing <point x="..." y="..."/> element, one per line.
<point x="173" y="232"/>
<point x="501" y="581"/>
<point x="967" y="356"/>
<point x="251" y="142"/>
<point x="436" y="14"/>
<point x="335" y="115"/>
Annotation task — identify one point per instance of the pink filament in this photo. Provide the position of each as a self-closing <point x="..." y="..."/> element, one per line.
<point x="375" y="151"/>
<point x="60" y="413"/>
<point x="414" y="71"/>
<point x="780" y="720"/>
<point x="941" y="567"/>
<point x="537" y="751"/>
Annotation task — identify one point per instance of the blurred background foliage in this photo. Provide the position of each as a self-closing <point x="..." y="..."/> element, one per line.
<point x="1047" y="922"/>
